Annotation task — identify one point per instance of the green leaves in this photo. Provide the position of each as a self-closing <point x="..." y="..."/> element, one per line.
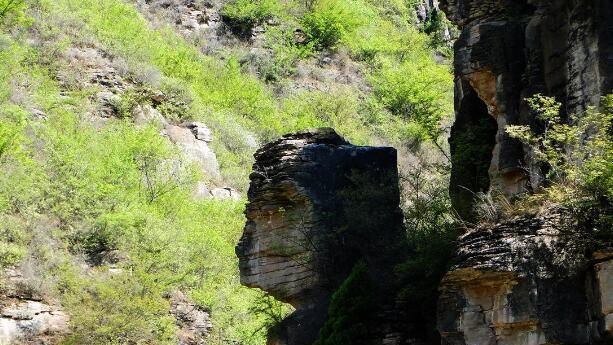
<point x="250" y="12"/>
<point x="578" y="152"/>
<point x="351" y="310"/>
<point x="418" y="91"/>
<point x="13" y="13"/>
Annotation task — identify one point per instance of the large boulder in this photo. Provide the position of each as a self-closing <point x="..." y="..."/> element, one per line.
<point x="26" y="317"/>
<point x="317" y="206"/>
<point x="193" y="140"/>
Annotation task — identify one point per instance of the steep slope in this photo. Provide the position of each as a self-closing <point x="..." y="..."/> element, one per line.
<point x="126" y="141"/>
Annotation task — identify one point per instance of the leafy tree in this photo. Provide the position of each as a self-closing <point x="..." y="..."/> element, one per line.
<point x="12" y="12"/>
<point x="328" y="22"/>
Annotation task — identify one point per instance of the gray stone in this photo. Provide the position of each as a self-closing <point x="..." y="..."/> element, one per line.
<point x="144" y="114"/>
<point x="200" y="130"/>
<point x="202" y="191"/>
<point x="196" y="150"/>
<point x="26" y="318"/>
<point x="526" y="281"/>
<point x="304" y="188"/>
<point x="194" y="321"/>
<point x="225" y="193"/>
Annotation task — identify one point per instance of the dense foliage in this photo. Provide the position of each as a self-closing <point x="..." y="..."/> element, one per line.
<point x="350" y="314"/>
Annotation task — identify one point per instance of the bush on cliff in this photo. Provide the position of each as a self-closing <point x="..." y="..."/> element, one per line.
<point x="577" y="152"/>
<point x="576" y="155"/>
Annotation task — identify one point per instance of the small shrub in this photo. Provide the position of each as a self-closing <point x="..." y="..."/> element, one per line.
<point x="242" y="15"/>
<point x="13" y="240"/>
<point x="122" y="310"/>
<point x="285" y="54"/>
<point x="578" y="152"/>
<point x="324" y="28"/>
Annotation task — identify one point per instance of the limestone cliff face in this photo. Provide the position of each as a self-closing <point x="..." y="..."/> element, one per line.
<point x="510" y="50"/>
<point x="317" y="205"/>
<point x="528" y="281"/>
<point x="532" y="280"/>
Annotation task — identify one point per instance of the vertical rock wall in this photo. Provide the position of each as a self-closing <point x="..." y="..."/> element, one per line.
<point x="509" y="50"/>
<point x="540" y="279"/>
<point x="317" y="206"/>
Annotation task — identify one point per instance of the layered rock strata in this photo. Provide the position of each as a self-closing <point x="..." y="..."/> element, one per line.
<point x="527" y="281"/>
<point x="26" y="317"/>
<point x="510" y="50"/>
<point x="317" y="205"/>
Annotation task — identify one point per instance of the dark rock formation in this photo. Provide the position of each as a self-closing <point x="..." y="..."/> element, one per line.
<point x="510" y="50"/>
<point x="317" y="206"/>
<point x="527" y="281"/>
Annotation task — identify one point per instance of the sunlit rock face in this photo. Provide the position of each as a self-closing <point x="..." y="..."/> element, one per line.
<point x="527" y="281"/>
<point x="26" y="317"/>
<point x="317" y="205"/>
<point x="509" y="50"/>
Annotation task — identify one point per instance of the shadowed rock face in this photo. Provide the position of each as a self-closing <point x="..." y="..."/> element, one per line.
<point x="317" y="205"/>
<point x="510" y="50"/>
<point x="527" y="281"/>
<point x="531" y="280"/>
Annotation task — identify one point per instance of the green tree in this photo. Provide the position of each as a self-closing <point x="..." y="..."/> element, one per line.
<point x="351" y="310"/>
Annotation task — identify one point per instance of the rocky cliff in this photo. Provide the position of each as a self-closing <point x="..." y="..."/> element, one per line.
<point x="317" y="206"/>
<point x="529" y="280"/>
<point x="539" y="279"/>
<point x="510" y="50"/>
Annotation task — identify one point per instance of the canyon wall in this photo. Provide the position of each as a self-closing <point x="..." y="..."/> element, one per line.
<point x="317" y="206"/>
<point x="540" y="279"/>
<point x="510" y="50"/>
<point x="528" y="281"/>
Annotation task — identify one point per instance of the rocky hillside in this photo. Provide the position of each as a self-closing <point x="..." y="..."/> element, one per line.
<point x="151" y="194"/>
<point x="127" y="133"/>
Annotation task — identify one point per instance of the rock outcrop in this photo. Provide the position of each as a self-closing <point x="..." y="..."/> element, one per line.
<point x="193" y="139"/>
<point x="510" y="50"/>
<point x="317" y="206"/>
<point x="26" y="318"/>
<point x="193" y="321"/>
<point x="527" y="281"/>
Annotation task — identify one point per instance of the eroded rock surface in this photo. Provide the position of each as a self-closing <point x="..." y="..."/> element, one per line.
<point x="527" y="281"/>
<point x="194" y="322"/>
<point x="510" y="50"/>
<point x="193" y="138"/>
<point x="26" y="318"/>
<point x="317" y="205"/>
